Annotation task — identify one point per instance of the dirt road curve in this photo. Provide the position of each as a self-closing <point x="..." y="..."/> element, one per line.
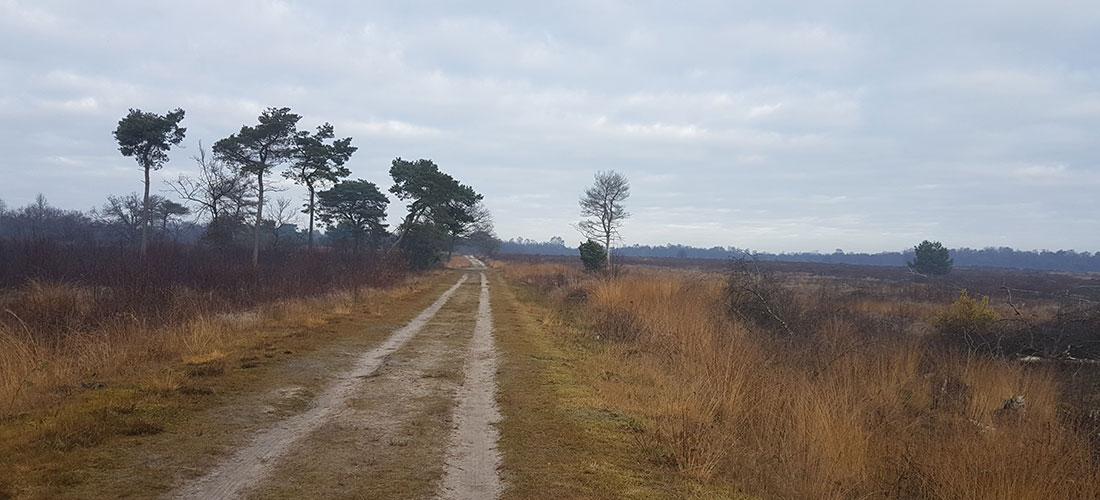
<point x="410" y="413"/>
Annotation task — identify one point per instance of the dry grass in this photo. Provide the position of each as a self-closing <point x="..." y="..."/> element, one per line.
<point x="836" y="413"/>
<point x="38" y="369"/>
<point x="130" y="417"/>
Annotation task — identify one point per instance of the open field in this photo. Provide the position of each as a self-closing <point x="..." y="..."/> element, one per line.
<point x="659" y="383"/>
<point x="867" y="389"/>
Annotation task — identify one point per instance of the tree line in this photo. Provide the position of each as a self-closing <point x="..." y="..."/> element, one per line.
<point x="228" y="202"/>
<point x="1003" y="257"/>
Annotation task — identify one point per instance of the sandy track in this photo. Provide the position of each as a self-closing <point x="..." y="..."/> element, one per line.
<point x="472" y="458"/>
<point x="389" y="440"/>
<point x="251" y="464"/>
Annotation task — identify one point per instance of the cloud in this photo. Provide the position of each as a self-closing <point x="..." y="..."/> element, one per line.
<point x="766" y="125"/>
<point x="82" y="105"/>
<point x="388" y="128"/>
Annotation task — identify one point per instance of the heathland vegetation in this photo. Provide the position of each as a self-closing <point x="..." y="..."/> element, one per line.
<point x="1003" y="257"/>
<point x="791" y="385"/>
<point x="802" y="383"/>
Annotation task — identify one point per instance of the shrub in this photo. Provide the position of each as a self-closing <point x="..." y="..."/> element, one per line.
<point x="422" y="246"/>
<point x="593" y="255"/>
<point x="967" y="316"/>
<point x="931" y="259"/>
<point x="759" y="300"/>
<point x="61" y="289"/>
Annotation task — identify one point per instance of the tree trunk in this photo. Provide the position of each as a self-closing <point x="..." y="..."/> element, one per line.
<point x="145" y="219"/>
<point x="607" y="247"/>
<point x="310" y="218"/>
<point x="259" y="220"/>
<point x="404" y="227"/>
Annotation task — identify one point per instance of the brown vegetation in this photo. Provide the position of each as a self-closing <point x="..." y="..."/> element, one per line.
<point x="850" y="398"/>
<point x="127" y="411"/>
<point x="74" y="317"/>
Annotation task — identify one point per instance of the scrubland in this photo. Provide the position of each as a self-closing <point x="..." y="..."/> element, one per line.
<point x="78" y="319"/>
<point x="94" y="375"/>
<point x="826" y="389"/>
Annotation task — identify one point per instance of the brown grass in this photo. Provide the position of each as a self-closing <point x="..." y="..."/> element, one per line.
<point x="558" y="434"/>
<point x="836" y="413"/>
<point x="94" y="410"/>
<point x="38" y="368"/>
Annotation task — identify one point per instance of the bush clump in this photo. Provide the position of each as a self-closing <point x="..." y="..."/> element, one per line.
<point x="593" y="255"/>
<point x="760" y="300"/>
<point x="967" y="316"/>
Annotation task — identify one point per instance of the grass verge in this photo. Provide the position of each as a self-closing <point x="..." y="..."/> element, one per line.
<point x="557" y="438"/>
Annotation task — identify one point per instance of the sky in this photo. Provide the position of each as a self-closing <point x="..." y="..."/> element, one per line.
<point x="775" y="126"/>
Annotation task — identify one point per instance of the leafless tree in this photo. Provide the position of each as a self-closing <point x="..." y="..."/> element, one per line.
<point x="282" y="213"/>
<point x="125" y="214"/>
<point x="602" y="209"/>
<point x="483" y="218"/>
<point x="217" y="191"/>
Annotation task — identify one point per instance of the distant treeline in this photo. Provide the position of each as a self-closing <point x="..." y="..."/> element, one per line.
<point x="1060" y="260"/>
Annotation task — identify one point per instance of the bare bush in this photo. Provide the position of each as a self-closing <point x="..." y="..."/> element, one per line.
<point x="757" y="298"/>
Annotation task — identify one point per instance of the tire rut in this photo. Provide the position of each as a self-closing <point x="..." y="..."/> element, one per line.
<point x="252" y="464"/>
<point x="473" y="460"/>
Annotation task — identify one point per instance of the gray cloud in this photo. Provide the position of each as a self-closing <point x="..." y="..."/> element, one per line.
<point x="859" y="125"/>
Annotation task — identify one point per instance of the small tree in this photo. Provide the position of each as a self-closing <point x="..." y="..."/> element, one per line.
<point x="166" y="210"/>
<point x="124" y="215"/>
<point x="931" y="259"/>
<point x="355" y="206"/>
<point x="593" y="255"/>
<point x="283" y="219"/>
<point x="256" y="150"/>
<point x="602" y="209"/>
<point x="222" y="195"/>
<point x="148" y="137"/>
<point x="319" y="160"/>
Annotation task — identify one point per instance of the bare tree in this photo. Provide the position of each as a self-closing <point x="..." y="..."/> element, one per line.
<point x="282" y="213"/>
<point x="602" y="209"/>
<point x="483" y="218"/>
<point x="126" y="214"/>
<point x="217" y="191"/>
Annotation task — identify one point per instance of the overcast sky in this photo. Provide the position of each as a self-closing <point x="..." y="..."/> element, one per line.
<point x="768" y="125"/>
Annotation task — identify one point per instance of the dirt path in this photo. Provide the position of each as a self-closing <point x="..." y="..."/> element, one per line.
<point x="473" y="460"/>
<point x="251" y="465"/>
<point x="401" y="397"/>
